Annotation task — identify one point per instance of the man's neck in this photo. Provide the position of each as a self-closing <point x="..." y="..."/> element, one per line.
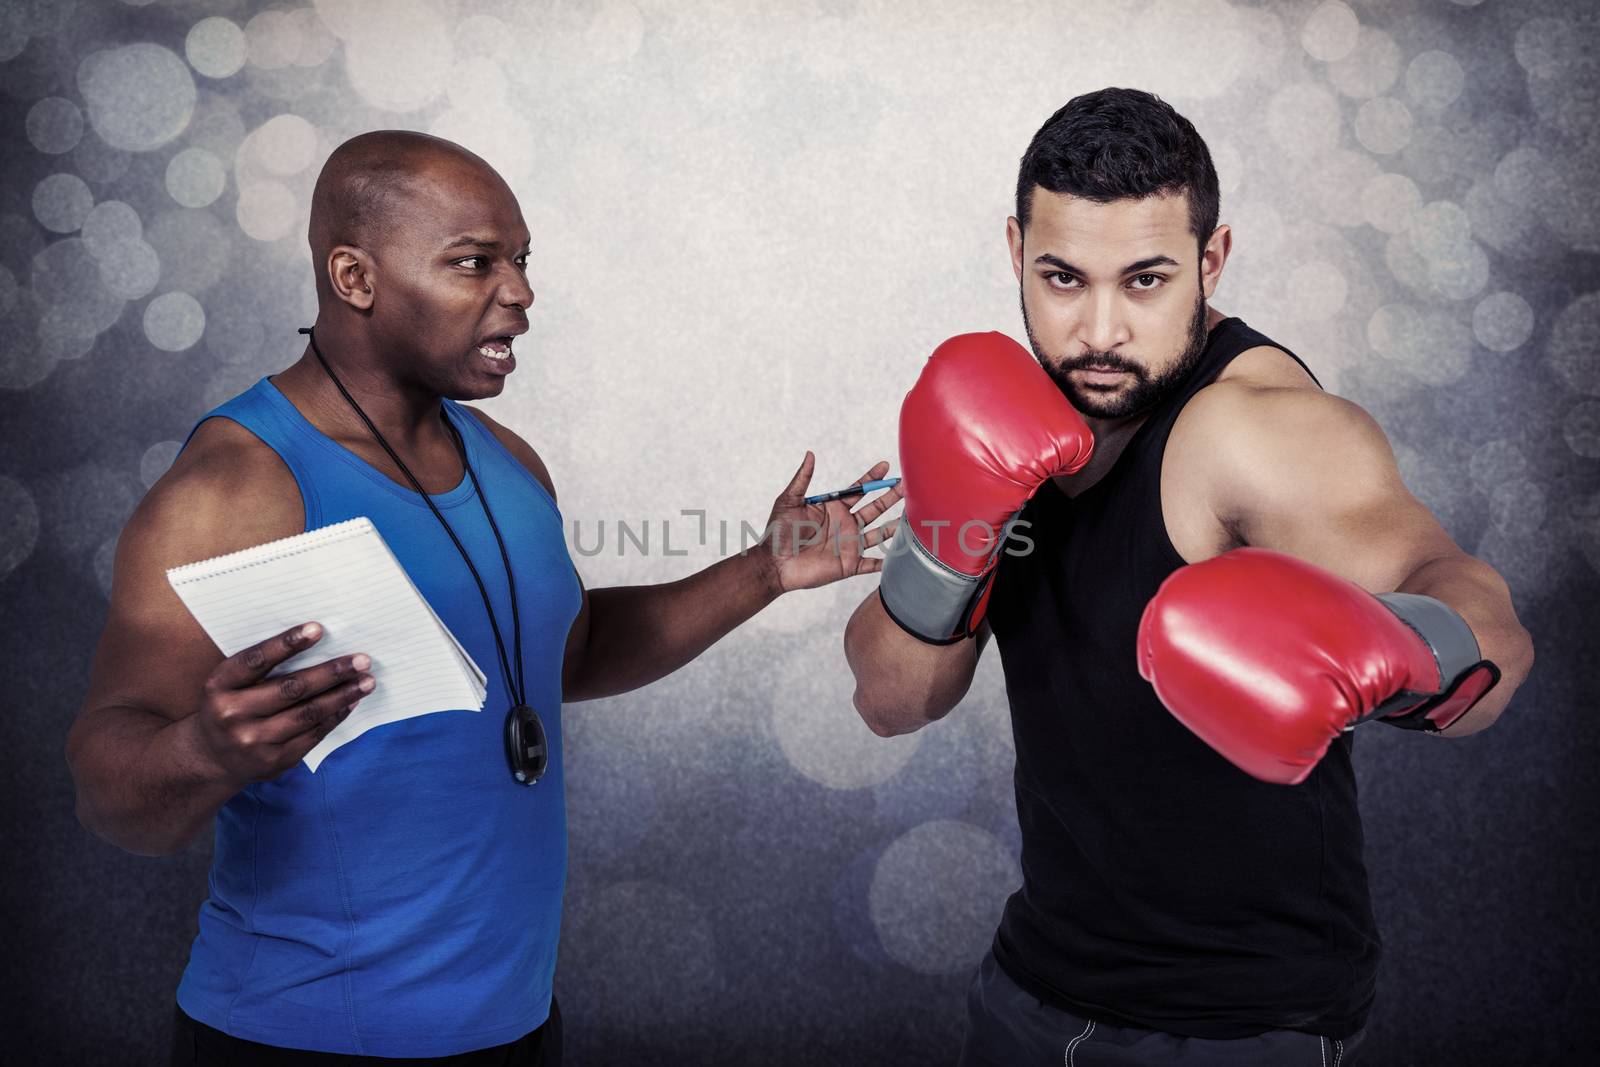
<point x="406" y="417"/>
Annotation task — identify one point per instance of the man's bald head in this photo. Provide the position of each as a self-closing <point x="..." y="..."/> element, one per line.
<point x="369" y="185"/>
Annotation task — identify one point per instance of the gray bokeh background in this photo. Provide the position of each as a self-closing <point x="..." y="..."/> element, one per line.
<point x="750" y="226"/>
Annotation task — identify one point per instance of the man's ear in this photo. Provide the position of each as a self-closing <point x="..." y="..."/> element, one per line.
<point x="1214" y="258"/>
<point x="351" y="273"/>
<point x="1014" y="240"/>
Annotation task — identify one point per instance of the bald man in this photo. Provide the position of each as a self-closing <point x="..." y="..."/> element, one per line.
<point x="404" y="901"/>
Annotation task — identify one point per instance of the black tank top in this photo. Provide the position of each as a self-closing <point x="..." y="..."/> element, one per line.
<point x="1162" y="888"/>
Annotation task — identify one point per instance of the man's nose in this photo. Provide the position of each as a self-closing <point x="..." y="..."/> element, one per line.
<point x="1103" y="326"/>
<point x="515" y="290"/>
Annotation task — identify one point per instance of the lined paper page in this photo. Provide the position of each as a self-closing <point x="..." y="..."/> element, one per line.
<point x="345" y="577"/>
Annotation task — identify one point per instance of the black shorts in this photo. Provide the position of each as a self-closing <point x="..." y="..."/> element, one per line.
<point x="1010" y="1027"/>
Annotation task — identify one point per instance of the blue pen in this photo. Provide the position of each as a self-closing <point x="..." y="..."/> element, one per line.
<point x="854" y="490"/>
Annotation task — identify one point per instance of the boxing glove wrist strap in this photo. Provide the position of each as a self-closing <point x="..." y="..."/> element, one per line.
<point x="1465" y="676"/>
<point x="927" y="599"/>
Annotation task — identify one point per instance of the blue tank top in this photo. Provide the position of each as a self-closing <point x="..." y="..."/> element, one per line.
<point x="404" y="900"/>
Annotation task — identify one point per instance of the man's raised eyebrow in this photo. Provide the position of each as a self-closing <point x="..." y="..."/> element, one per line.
<point x="1144" y="264"/>
<point x="469" y="241"/>
<point x="486" y="243"/>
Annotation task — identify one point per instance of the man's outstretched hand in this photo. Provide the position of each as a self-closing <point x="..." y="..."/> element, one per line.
<point x="814" y="544"/>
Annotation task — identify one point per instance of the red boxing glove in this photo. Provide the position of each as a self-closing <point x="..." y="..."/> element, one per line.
<point x="1268" y="658"/>
<point x="982" y="429"/>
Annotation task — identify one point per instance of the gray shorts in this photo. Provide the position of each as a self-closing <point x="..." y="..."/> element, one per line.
<point x="1009" y="1027"/>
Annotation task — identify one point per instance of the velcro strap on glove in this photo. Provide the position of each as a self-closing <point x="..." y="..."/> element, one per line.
<point x="927" y="599"/>
<point x="1465" y="676"/>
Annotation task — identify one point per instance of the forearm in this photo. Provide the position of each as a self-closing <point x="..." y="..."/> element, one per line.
<point x="639" y="634"/>
<point x="1480" y="596"/>
<point x="902" y="684"/>
<point x="142" y="782"/>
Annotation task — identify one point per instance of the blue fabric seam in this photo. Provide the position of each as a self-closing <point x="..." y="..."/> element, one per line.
<point x="294" y="420"/>
<point x="544" y="494"/>
<point x="255" y="899"/>
<point x="344" y="898"/>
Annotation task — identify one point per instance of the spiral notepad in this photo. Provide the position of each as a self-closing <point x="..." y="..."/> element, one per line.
<point x="345" y="577"/>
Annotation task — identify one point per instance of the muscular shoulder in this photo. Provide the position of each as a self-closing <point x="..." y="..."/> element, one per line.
<point x="227" y="490"/>
<point x="1264" y="443"/>
<point x="519" y="448"/>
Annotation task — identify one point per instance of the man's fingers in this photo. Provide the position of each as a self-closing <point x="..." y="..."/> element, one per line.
<point x="254" y="663"/>
<point x="869" y="565"/>
<point x="316" y="716"/>
<point x="272" y="695"/>
<point x="802" y="477"/>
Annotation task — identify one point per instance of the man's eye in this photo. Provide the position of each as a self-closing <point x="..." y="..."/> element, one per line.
<point x="1147" y="281"/>
<point x="1062" y="280"/>
<point x="475" y="262"/>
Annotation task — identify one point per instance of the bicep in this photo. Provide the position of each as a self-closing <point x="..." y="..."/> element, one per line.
<point x="152" y="654"/>
<point x="1313" y="476"/>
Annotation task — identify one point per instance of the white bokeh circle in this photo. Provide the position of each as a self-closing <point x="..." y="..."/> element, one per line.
<point x="1502" y="322"/>
<point x="285" y="144"/>
<point x="216" y="47"/>
<point x="1581" y="429"/>
<point x="1574" y="345"/>
<point x="139" y="96"/>
<point x="1439" y="230"/>
<point x="1370" y="68"/>
<point x="1330" y="32"/>
<point x="1548" y="47"/>
<point x="130" y="270"/>
<point x="937" y="893"/>
<point x="1517" y="507"/>
<point x="1434" y="79"/>
<point x="54" y="125"/>
<point x="109" y="224"/>
<point x="1495" y="462"/>
<point x="266" y="210"/>
<point x="1383" y="125"/>
<point x="821" y="735"/>
<point x="61" y="202"/>
<point x="195" y="177"/>
<point x="1388" y="202"/>
<point x="1461" y="274"/>
<point x="273" y="39"/>
<point x="174" y="321"/>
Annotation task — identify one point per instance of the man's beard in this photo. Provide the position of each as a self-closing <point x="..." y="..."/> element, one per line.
<point x="1146" y="391"/>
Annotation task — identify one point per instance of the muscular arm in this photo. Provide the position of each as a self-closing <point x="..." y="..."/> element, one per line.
<point x="626" y="637"/>
<point x="143" y="780"/>
<point x="903" y="684"/>
<point x="1312" y="475"/>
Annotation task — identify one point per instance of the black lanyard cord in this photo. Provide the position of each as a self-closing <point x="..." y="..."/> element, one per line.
<point x="518" y="693"/>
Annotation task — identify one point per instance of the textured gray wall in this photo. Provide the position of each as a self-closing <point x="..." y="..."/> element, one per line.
<point x="749" y="229"/>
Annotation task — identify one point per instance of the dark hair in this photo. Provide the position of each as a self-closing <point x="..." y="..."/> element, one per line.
<point x="1121" y="144"/>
